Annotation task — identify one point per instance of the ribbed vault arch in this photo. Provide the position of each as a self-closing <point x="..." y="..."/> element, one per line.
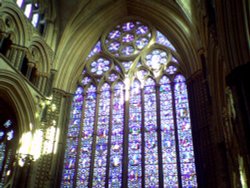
<point x="86" y="27"/>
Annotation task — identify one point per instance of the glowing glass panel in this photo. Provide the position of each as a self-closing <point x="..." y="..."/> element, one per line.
<point x="19" y="3"/>
<point x="27" y="10"/>
<point x="101" y="149"/>
<point x="150" y="135"/>
<point x="156" y="58"/>
<point x="116" y="148"/>
<point x="108" y="141"/>
<point x="168" y="142"/>
<point x="128" y="39"/>
<point x="87" y="138"/>
<point x="135" y="140"/>
<point x="72" y="139"/>
<point x="35" y="18"/>
<point x="95" y="50"/>
<point x="188" y="172"/>
<point x="161" y="39"/>
<point x="100" y="65"/>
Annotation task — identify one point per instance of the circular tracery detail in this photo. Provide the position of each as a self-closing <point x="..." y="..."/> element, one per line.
<point x="128" y="39"/>
<point x="156" y="58"/>
<point x="100" y="66"/>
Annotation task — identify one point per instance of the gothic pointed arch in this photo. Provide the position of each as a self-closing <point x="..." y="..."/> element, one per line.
<point x="166" y="18"/>
<point x="130" y="121"/>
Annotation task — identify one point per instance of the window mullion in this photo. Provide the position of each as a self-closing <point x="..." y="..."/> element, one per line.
<point x="92" y="162"/>
<point x="143" y="138"/>
<point x="161" y="183"/>
<point x="109" y="138"/>
<point x="125" y="143"/>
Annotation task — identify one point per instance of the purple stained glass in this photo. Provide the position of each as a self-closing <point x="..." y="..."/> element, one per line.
<point x="141" y="74"/>
<point x="188" y="172"/>
<point x="87" y="136"/>
<point x="101" y="149"/>
<point x="128" y="39"/>
<point x="161" y="39"/>
<point x="114" y="46"/>
<point x="101" y="125"/>
<point x="135" y="141"/>
<point x="168" y="135"/>
<point x="127" y="50"/>
<point x="115" y="34"/>
<point x="128" y="26"/>
<point x="85" y="80"/>
<point x="72" y="138"/>
<point x="95" y="50"/>
<point x="142" y="30"/>
<point x="113" y="77"/>
<point x="141" y="42"/>
<point x="150" y="135"/>
<point x="116" y="157"/>
<point x="174" y="60"/>
<point x="171" y="69"/>
<point x="156" y="58"/>
<point x="127" y="65"/>
<point x="100" y="65"/>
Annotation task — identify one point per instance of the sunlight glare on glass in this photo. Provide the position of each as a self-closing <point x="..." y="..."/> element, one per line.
<point x="19" y="2"/>
<point x="35" y="19"/>
<point x="27" y="10"/>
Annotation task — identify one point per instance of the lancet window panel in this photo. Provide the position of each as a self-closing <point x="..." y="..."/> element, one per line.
<point x="130" y="124"/>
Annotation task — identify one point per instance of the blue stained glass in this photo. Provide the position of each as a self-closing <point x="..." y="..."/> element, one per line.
<point x="168" y="135"/>
<point x="156" y="58"/>
<point x="100" y="66"/>
<point x="7" y="124"/>
<point x="128" y="26"/>
<point x="141" y="42"/>
<point x="141" y="30"/>
<point x="1" y="135"/>
<point x="188" y="173"/>
<point x="102" y="137"/>
<point x="150" y="124"/>
<point x="108" y="117"/>
<point x="95" y="50"/>
<point x="115" y="168"/>
<point x="87" y="136"/>
<point x="171" y="69"/>
<point x="128" y="39"/>
<point x="141" y="74"/>
<point x="115" y="34"/>
<point x="127" y="50"/>
<point x="161" y="39"/>
<point x="134" y="146"/>
<point x="85" y="80"/>
<point x="114" y="46"/>
<point x="72" y="138"/>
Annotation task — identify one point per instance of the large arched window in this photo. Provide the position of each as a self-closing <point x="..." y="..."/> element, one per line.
<point x="130" y="122"/>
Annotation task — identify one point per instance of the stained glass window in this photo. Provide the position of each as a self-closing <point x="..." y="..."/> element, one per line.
<point x="32" y="11"/>
<point x="8" y="141"/>
<point x="130" y="127"/>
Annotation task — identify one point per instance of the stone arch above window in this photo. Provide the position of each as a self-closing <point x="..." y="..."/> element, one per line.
<point x="129" y="122"/>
